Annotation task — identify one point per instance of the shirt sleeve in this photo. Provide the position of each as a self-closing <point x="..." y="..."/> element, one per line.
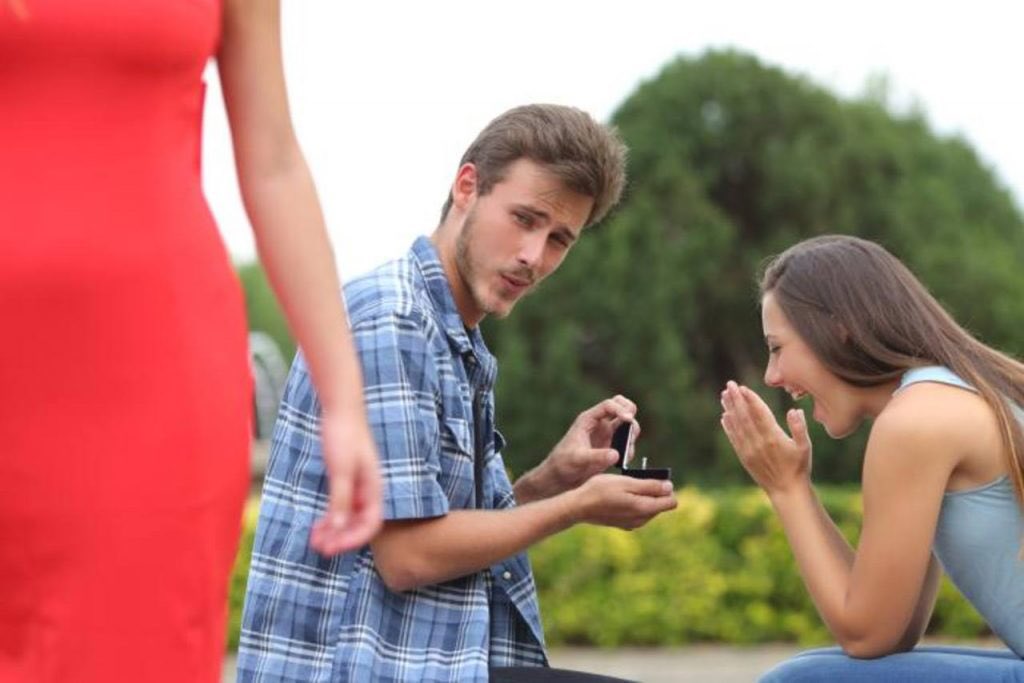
<point x="400" y="388"/>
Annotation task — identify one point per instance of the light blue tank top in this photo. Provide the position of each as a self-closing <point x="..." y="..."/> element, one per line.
<point x="978" y="539"/>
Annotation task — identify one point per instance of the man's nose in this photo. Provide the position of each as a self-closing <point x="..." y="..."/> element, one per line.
<point x="531" y="249"/>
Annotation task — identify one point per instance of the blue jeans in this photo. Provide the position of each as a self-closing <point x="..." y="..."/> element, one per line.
<point x="938" y="664"/>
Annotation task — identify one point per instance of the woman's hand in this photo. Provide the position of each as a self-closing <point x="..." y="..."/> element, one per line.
<point x="353" y="513"/>
<point x="776" y="461"/>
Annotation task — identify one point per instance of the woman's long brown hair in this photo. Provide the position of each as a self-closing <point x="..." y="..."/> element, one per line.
<point x="869" y="320"/>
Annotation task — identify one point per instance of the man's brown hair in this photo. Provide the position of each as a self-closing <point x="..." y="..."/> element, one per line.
<point x="588" y="157"/>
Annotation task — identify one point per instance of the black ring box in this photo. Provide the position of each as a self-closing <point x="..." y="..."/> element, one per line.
<point x="620" y="442"/>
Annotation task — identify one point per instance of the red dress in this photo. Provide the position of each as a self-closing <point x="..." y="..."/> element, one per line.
<point x="124" y="383"/>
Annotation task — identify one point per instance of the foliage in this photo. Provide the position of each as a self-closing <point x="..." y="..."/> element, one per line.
<point x="262" y="309"/>
<point x="240" y="573"/>
<point x="732" y="161"/>
<point x="717" y="568"/>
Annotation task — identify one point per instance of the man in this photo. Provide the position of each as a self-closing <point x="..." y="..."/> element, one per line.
<point x="445" y="591"/>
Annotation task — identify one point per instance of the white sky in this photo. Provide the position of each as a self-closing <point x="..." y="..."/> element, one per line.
<point x="387" y="95"/>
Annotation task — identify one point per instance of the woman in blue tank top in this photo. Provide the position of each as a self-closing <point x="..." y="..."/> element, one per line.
<point x="847" y="324"/>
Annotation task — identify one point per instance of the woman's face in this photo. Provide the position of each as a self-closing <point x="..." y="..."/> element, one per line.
<point x="793" y="366"/>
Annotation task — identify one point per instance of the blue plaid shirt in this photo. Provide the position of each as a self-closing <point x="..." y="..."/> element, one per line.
<point x="311" y="618"/>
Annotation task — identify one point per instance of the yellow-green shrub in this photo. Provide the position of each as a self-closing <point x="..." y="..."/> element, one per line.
<point x="717" y="568"/>
<point x="236" y="590"/>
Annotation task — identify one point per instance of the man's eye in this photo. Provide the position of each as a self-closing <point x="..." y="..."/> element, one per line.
<point x="523" y="219"/>
<point x="773" y="350"/>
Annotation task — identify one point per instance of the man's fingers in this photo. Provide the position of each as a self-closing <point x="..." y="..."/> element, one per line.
<point x="659" y="504"/>
<point x="649" y="487"/>
<point x="637" y="430"/>
<point x="648" y="507"/>
<point x="592" y="460"/>
<point x="617" y="407"/>
<point x="625" y="404"/>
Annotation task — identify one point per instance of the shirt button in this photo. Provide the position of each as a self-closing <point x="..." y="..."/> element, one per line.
<point x="507" y="576"/>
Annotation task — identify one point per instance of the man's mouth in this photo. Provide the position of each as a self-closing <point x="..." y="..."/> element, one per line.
<point x="516" y="283"/>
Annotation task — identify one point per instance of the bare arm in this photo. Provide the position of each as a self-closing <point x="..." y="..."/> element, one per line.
<point x="923" y="610"/>
<point x="420" y="552"/>
<point x="282" y="205"/>
<point x="842" y="555"/>
<point x="877" y="600"/>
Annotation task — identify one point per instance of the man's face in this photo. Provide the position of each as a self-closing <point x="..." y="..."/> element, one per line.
<point x="513" y="237"/>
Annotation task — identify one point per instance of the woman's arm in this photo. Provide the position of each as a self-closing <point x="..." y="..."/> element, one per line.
<point x="282" y="205"/>
<point x="840" y="548"/>
<point x="923" y="610"/>
<point x="877" y="600"/>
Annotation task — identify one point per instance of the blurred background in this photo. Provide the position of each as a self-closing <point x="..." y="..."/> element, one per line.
<point x="751" y="126"/>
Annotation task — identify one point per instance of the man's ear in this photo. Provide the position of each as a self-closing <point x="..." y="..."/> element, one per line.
<point x="464" y="189"/>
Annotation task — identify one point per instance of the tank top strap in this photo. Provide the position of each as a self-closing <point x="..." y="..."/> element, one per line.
<point x="933" y="373"/>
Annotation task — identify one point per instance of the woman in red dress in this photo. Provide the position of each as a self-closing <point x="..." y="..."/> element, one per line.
<point x="124" y="413"/>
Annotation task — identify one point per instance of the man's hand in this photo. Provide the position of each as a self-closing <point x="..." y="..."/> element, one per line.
<point x="584" y="451"/>
<point x="353" y="513"/>
<point x="624" y="502"/>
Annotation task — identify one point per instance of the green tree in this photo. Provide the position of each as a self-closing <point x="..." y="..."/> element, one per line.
<point x="262" y="309"/>
<point x="732" y="161"/>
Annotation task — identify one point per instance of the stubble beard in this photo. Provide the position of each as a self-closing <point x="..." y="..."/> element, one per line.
<point x="468" y="271"/>
<point x="465" y="266"/>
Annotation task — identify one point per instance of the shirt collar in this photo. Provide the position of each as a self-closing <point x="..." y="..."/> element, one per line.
<point x="439" y="290"/>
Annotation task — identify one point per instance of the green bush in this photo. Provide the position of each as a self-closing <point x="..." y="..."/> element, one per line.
<point x="732" y="160"/>
<point x="717" y="568"/>
<point x="262" y="309"/>
<point x="240" y="574"/>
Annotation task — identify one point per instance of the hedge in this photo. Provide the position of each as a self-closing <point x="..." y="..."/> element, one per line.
<point x="717" y="569"/>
